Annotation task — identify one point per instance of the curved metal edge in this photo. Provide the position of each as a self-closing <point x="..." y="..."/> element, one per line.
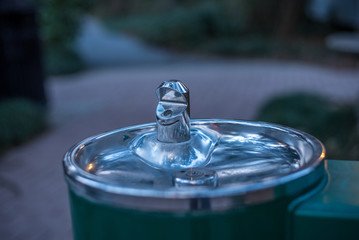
<point x="201" y="204"/>
<point x="85" y="185"/>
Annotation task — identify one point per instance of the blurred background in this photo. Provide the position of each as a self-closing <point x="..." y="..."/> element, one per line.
<point x="70" y="69"/>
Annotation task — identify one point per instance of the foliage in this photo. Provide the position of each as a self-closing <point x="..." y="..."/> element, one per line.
<point x="60" y="22"/>
<point x="62" y="59"/>
<point x="226" y="27"/>
<point x="183" y="27"/>
<point x="20" y="120"/>
<point x="249" y="45"/>
<point x="333" y="124"/>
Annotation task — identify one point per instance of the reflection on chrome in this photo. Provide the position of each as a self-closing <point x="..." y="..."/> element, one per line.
<point x="243" y="157"/>
<point x="90" y="167"/>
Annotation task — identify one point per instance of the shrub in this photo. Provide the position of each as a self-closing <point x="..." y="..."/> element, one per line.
<point x="227" y="27"/>
<point x="184" y="28"/>
<point x="333" y="124"/>
<point x="20" y="120"/>
<point x="60" y="23"/>
<point x="62" y="60"/>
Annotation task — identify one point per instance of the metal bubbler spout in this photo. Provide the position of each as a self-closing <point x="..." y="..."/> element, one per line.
<point x="174" y="144"/>
<point x="172" y="112"/>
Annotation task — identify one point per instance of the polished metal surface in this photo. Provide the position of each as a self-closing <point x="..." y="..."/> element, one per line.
<point x="177" y="86"/>
<point x="253" y="163"/>
<point x="195" y="177"/>
<point x="167" y="165"/>
<point x="174" y="156"/>
<point x="172" y="113"/>
<point x="173" y="145"/>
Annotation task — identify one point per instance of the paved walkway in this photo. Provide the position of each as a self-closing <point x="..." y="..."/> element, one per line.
<point x="98" y="46"/>
<point x="33" y="195"/>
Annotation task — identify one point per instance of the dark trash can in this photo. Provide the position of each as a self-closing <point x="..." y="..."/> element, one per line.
<point x="21" y="69"/>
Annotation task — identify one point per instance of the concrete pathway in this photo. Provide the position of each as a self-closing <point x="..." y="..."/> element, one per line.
<point x="33" y="194"/>
<point x="347" y="42"/>
<point x="98" y="47"/>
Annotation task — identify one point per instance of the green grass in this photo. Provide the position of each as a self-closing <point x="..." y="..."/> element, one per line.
<point x="20" y="120"/>
<point x="333" y="124"/>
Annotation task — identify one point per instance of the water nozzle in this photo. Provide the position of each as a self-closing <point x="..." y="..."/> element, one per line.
<point x="172" y="112"/>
